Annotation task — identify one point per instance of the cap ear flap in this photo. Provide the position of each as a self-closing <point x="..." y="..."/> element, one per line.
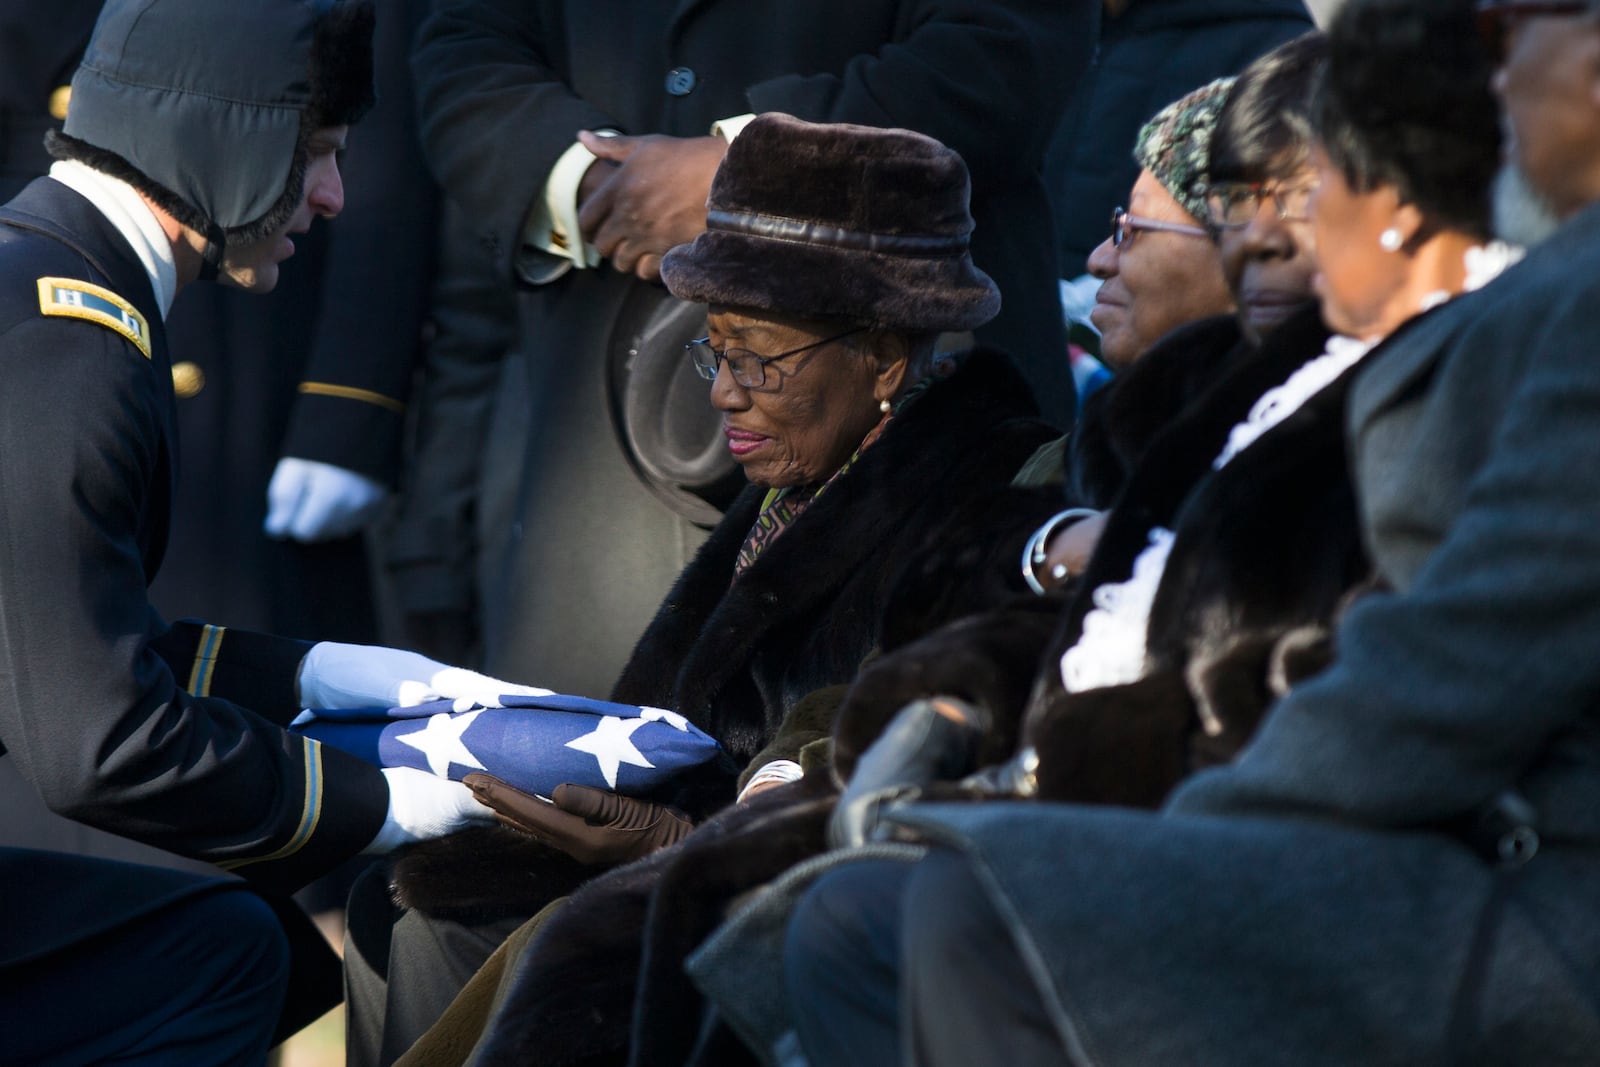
<point x="341" y="93"/>
<point x="65" y="146"/>
<point x="285" y="206"/>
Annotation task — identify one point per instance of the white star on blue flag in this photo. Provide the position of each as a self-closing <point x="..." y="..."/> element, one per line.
<point x="534" y="743"/>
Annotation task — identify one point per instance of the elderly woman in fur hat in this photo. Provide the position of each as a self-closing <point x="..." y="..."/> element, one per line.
<point x="833" y="258"/>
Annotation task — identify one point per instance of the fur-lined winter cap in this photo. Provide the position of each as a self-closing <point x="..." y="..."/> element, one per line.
<point x="1175" y="146"/>
<point x="854" y="223"/>
<point x="207" y="106"/>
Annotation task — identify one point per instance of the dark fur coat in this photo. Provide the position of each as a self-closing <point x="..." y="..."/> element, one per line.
<point x="976" y="564"/>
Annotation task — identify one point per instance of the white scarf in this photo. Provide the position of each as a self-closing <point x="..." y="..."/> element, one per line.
<point x="125" y="209"/>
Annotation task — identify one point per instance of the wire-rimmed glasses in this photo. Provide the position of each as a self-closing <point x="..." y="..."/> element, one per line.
<point x="749" y="369"/>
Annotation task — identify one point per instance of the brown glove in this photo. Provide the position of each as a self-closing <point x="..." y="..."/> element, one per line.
<point x="590" y="825"/>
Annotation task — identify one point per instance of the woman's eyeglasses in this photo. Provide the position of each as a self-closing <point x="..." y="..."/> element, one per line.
<point x="1124" y="226"/>
<point x="1234" y="205"/>
<point x="749" y="369"/>
<point x="1496" y="17"/>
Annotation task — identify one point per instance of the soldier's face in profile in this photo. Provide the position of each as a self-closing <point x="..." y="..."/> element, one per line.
<point x="254" y="267"/>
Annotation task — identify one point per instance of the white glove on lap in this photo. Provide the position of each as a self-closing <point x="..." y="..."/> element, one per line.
<point x="311" y="501"/>
<point x="335" y="675"/>
<point x="423" y="805"/>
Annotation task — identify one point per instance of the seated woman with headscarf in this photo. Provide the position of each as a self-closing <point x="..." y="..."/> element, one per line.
<point x="833" y="257"/>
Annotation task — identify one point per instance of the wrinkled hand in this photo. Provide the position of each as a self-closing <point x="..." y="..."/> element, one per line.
<point x="928" y="741"/>
<point x="590" y="825"/>
<point x="656" y="198"/>
<point x="423" y="805"/>
<point x="311" y="501"/>
<point x="335" y="675"/>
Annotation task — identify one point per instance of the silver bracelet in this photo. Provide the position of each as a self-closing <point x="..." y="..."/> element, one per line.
<point x="1033" y="553"/>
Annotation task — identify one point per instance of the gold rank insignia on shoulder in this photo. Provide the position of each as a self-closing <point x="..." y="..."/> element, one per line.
<point x="73" y="298"/>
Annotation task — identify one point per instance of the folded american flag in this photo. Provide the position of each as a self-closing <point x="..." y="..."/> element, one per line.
<point x="535" y="742"/>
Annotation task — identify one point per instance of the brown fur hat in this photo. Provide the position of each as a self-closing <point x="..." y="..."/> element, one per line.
<point x="854" y="223"/>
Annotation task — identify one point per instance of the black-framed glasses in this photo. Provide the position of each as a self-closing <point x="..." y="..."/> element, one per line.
<point x="1124" y="226"/>
<point x="749" y="369"/>
<point x="1234" y="205"/>
<point x="1496" y="17"/>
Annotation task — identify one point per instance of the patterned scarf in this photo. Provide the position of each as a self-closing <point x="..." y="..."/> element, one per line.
<point x="783" y="506"/>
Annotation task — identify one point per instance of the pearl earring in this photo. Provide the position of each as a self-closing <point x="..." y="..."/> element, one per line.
<point x="884" y="406"/>
<point x="1389" y="240"/>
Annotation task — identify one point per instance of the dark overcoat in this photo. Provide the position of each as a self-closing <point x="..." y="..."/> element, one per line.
<point x="506" y="84"/>
<point x="37" y="58"/>
<point x="115" y="717"/>
<point x="1334" y="896"/>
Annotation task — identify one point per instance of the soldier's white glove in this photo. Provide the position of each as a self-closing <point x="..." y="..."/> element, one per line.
<point x="335" y="675"/>
<point x="311" y="501"/>
<point x="423" y="805"/>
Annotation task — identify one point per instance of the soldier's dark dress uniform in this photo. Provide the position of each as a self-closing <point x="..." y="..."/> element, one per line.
<point x="117" y="718"/>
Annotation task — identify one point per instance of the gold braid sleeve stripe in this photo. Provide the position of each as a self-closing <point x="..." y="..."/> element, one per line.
<point x="350" y="392"/>
<point x="205" y="661"/>
<point x="310" y="814"/>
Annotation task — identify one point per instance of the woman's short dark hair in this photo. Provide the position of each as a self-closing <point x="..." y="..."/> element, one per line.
<point x="1405" y="101"/>
<point x="1264" y="130"/>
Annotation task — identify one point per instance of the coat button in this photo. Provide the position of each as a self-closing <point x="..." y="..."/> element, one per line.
<point x="680" y="81"/>
<point x="187" y="379"/>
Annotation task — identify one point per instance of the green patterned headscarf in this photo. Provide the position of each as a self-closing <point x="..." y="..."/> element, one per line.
<point x="1175" y="146"/>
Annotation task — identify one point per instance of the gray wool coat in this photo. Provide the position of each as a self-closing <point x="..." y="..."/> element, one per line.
<point x="1321" y="900"/>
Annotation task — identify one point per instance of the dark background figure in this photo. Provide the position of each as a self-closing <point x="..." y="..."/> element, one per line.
<point x="428" y="544"/>
<point x="319" y="370"/>
<point x="1150" y="53"/>
<point x="37" y="57"/>
<point x="575" y="547"/>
